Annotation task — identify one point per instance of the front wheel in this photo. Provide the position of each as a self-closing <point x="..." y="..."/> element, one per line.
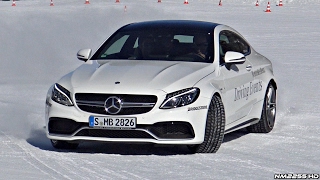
<point x="268" y="114"/>
<point x="214" y="130"/>
<point x="58" y="144"/>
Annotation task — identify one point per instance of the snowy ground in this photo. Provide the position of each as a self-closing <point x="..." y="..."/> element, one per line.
<point x="38" y="45"/>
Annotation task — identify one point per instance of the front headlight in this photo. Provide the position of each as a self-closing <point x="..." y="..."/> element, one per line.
<point x="180" y="98"/>
<point x="61" y="95"/>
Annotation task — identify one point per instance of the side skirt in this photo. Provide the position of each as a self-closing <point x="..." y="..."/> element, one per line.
<point x="242" y="125"/>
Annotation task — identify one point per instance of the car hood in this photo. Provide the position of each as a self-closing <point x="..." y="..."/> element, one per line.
<point x="131" y="76"/>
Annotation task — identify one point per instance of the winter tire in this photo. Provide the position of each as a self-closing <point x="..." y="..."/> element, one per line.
<point x="214" y="131"/>
<point x="268" y="114"/>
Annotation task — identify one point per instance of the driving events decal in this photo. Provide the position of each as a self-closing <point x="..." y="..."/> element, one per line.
<point x="246" y="90"/>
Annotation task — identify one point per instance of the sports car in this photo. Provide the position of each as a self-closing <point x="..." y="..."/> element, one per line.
<point x="173" y="82"/>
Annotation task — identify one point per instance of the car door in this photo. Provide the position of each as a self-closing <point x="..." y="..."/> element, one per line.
<point x="237" y="78"/>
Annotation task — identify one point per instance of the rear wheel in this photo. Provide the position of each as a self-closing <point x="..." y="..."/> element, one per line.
<point x="268" y="115"/>
<point x="58" y="144"/>
<point x="214" y="131"/>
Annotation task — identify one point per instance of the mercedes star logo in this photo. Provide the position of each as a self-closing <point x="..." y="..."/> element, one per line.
<point x="113" y="105"/>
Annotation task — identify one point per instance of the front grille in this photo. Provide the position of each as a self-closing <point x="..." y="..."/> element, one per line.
<point x="133" y="104"/>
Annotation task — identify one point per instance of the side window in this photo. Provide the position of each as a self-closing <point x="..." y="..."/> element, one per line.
<point x="230" y="41"/>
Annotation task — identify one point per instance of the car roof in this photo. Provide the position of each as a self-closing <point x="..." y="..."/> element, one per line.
<point x="171" y="24"/>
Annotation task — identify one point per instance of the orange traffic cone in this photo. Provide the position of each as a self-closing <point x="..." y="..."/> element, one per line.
<point x="51" y="3"/>
<point x="280" y="3"/>
<point x="87" y="2"/>
<point x="186" y="2"/>
<point x="268" y="8"/>
<point x="117" y="1"/>
<point x="13" y="3"/>
<point x="220" y="3"/>
<point x="257" y="3"/>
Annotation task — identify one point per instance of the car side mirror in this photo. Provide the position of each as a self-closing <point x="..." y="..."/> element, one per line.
<point x="234" y="57"/>
<point x="84" y="54"/>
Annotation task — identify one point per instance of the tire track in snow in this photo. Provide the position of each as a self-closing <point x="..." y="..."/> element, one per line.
<point x="16" y="149"/>
<point x="61" y="165"/>
<point x="107" y="173"/>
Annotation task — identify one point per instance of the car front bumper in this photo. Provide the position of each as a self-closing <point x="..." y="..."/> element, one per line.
<point x="183" y="125"/>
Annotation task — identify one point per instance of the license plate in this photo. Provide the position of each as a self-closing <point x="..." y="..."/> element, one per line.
<point x="112" y="122"/>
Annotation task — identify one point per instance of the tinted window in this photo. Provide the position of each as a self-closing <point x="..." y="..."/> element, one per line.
<point x="161" y="44"/>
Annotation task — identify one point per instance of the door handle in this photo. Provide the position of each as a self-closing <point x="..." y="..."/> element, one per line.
<point x="249" y="67"/>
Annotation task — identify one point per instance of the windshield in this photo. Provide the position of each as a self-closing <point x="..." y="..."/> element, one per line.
<point x="165" y="45"/>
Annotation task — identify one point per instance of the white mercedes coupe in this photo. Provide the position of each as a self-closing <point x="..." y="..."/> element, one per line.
<point x="177" y="82"/>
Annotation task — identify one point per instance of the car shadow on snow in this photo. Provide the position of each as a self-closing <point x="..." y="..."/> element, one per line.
<point x="38" y="139"/>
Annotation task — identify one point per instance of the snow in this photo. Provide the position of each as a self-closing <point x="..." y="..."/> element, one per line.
<point x="38" y="46"/>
